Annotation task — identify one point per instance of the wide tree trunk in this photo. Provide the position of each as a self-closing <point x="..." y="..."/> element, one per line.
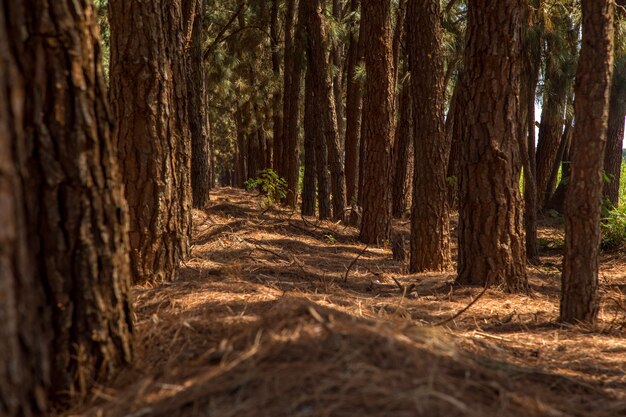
<point x="402" y="151"/>
<point x="579" y="296"/>
<point x="318" y="62"/>
<point x="291" y="102"/>
<point x="378" y="120"/>
<point x="194" y="11"/>
<point x="354" y="106"/>
<point x="491" y="228"/>
<point x="430" y="230"/>
<point x="615" y="137"/>
<point x="148" y="98"/>
<point x="64" y="267"/>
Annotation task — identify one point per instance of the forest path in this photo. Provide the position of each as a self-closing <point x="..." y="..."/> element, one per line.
<point x="263" y="322"/>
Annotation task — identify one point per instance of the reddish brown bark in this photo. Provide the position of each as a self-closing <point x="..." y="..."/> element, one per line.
<point x="491" y="230"/>
<point x="378" y="120"/>
<point x="430" y="231"/>
<point x="579" y="297"/>
<point x="148" y="98"/>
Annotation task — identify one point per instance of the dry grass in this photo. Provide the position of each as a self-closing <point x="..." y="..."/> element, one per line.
<point x="263" y="323"/>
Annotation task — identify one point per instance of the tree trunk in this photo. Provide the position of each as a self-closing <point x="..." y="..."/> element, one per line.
<point x="491" y="229"/>
<point x="615" y="137"/>
<point x="336" y="66"/>
<point x="526" y="139"/>
<point x="291" y="102"/>
<point x="579" y="296"/>
<point x="315" y="23"/>
<point x="277" y="115"/>
<point x="354" y="106"/>
<point x="378" y="120"/>
<point x="64" y="268"/>
<point x="401" y="151"/>
<point x="148" y="97"/>
<point x="200" y="166"/>
<point x="430" y="230"/>
<point x="454" y="121"/>
<point x="311" y="131"/>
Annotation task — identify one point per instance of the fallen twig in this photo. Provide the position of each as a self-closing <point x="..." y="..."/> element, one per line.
<point x="464" y="309"/>
<point x="345" y="277"/>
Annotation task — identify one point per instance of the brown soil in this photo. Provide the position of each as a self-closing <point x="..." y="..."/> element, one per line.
<point x="265" y="321"/>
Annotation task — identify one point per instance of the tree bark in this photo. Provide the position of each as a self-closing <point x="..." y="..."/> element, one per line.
<point x="402" y="151"/>
<point x="354" y="106"/>
<point x="615" y="137"/>
<point x="311" y="131"/>
<point x="430" y="230"/>
<point x="200" y="164"/>
<point x="491" y="230"/>
<point x="318" y="62"/>
<point x="148" y="98"/>
<point x="579" y="295"/>
<point x="378" y="120"/>
<point x="64" y="268"/>
<point x="277" y="115"/>
<point x="291" y="102"/>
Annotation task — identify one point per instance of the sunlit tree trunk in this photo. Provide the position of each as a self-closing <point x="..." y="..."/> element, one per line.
<point x="491" y="229"/>
<point x="579" y="295"/>
<point x="378" y="120"/>
<point x="149" y="102"/>
<point x="430" y="230"/>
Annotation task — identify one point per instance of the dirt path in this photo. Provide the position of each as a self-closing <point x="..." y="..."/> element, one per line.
<point x="264" y="321"/>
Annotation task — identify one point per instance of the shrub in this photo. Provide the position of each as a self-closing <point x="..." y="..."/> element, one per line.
<point x="269" y="183"/>
<point x="614" y="228"/>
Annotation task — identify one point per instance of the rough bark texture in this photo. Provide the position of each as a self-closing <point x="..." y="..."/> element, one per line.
<point x="454" y="122"/>
<point x="64" y="268"/>
<point x="491" y="230"/>
<point x="579" y="295"/>
<point x="200" y="165"/>
<point x="378" y="120"/>
<point x="291" y="103"/>
<point x="402" y="151"/>
<point x="526" y="138"/>
<point x="615" y="137"/>
<point x="354" y="106"/>
<point x="430" y="230"/>
<point x="277" y="115"/>
<point x="318" y="62"/>
<point x="311" y="119"/>
<point x="551" y="126"/>
<point x="148" y="98"/>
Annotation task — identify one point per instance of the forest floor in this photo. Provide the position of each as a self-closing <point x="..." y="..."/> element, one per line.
<point x="265" y="320"/>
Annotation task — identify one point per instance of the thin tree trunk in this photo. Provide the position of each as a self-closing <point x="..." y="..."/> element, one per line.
<point x="200" y="167"/>
<point x="323" y="87"/>
<point x="148" y="98"/>
<point x="491" y="229"/>
<point x="579" y="295"/>
<point x="311" y="130"/>
<point x="64" y="266"/>
<point x="277" y="115"/>
<point x="378" y="121"/>
<point x="401" y="151"/>
<point x="430" y="230"/>
<point x="354" y="103"/>
<point x="291" y="102"/>
<point x="613" y="154"/>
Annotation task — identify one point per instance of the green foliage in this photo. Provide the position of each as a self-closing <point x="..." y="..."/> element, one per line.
<point x="330" y="239"/>
<point x="269" y="183"/>
<point x="613" y="227"/>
